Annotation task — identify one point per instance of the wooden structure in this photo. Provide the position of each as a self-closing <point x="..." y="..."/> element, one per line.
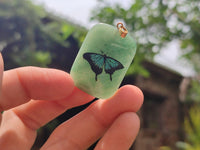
<point x="161" y="112"/>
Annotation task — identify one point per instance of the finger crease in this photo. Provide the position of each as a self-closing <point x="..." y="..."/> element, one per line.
<point x="99" y="120"/>
<point x="28" y="121"/>
<point x="26" y="92"/>
<point x="66" y="142"/>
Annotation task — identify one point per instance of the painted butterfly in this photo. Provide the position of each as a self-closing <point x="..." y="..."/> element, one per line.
<point x="98" y="61"/>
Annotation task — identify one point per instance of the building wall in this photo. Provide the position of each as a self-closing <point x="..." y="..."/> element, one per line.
<point x="160" y="113"/>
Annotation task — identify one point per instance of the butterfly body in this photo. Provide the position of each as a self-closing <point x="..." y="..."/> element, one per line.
<point x="98" y="62"/>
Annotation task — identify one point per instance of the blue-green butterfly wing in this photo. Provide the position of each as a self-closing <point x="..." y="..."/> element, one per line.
<point x="96" y="62"/>
<point x="111" y="65"/>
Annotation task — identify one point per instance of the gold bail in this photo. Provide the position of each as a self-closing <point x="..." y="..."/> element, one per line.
<point x="122" y="30"/>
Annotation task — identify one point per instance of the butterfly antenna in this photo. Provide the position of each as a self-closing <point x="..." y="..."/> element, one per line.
<point x="110" y="77"/>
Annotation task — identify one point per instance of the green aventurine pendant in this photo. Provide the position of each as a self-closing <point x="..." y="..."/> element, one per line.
<point x="103" y="60"/>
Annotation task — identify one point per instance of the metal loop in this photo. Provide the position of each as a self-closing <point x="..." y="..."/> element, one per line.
<point x="122" y="30"/>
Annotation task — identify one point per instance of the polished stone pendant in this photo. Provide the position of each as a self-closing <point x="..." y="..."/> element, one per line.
<point x="103" y="60"/>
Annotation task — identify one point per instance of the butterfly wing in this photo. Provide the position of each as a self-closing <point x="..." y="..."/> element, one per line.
<point x="111" y="65"/>
<point x="96" y="62"/>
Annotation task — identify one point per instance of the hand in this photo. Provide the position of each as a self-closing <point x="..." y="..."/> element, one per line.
<point x="31" y="97"/>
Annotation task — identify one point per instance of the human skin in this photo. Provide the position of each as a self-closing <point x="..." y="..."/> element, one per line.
<point x="31" y="97"/>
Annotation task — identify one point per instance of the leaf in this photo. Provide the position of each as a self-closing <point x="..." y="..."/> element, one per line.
<point x="67" y="30"/>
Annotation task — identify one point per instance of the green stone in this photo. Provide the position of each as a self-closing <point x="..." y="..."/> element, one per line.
<point x="103" y="61"/>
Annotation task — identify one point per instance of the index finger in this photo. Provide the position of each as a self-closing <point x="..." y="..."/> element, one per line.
<point x="23" y="84"/>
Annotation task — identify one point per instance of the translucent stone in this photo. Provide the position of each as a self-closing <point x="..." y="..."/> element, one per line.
<point x="103" y="61"/>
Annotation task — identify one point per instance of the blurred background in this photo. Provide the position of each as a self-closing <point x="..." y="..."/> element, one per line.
<point x="49" y="33"/>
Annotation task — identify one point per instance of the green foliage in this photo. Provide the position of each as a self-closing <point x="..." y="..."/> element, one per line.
<point x="137" y="69"/>
<point x="183" y="145"/>
<point x="191" y="125"/>
<point x="18" y="22"/>
<point x="38" y="58"/>
<point x="154" y="23"/>
<point x="67" y="30"/>
<point x="165" y="148"/>
<point x="194" y="91"/>
<point x="32" y="36"/>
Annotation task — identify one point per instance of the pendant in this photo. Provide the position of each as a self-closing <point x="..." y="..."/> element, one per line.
<point x="103" y="60"/>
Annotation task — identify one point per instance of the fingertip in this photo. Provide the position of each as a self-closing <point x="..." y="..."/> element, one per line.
<point x="122" y="132"/>
<point x="131" y="90"/>
<point x="139" y="96"/>
<point x="69" y="82"/>
<point x="62" y="83"/>
<point x="130" y="122"/>
<point x="131" y="118"/>
<point x="131" y="93"/>
<point x="127" y="99"/>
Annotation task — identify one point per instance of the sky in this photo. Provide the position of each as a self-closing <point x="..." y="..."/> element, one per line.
<point x="76" y="10"/>
<point x="79" y="11"/>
